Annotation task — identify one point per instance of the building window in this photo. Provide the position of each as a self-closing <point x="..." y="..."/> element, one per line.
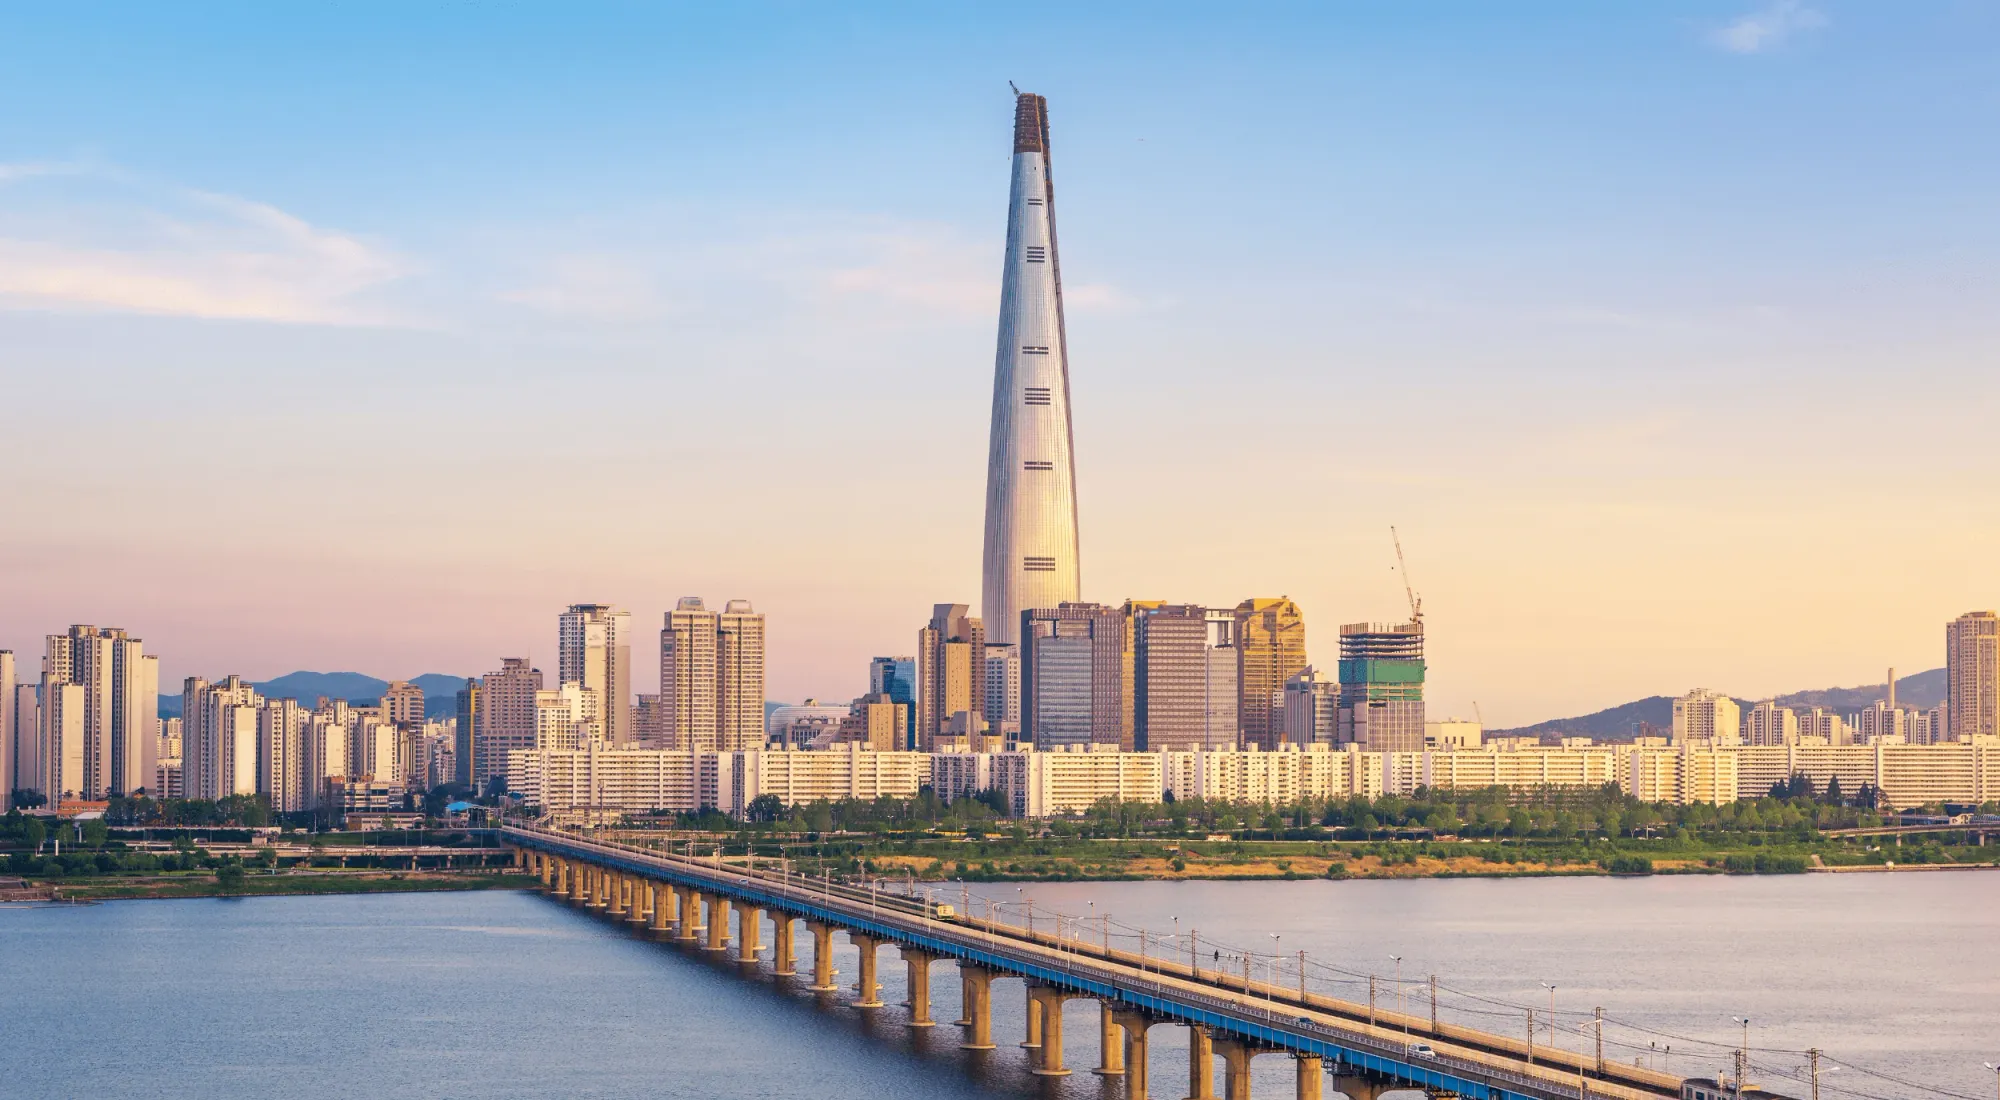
<point x="1037" y="254"/>
<point x="1038" y="565"/>
<point x="1037" y="395"/>
<point x="1034" y="349"/>
<point x="1038" y="465"/>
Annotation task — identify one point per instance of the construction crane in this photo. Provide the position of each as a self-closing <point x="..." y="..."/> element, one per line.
<point x="1416" y="602"/>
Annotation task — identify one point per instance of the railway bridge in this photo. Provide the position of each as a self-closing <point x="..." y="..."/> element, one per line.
<point x="1229" y="1016"/>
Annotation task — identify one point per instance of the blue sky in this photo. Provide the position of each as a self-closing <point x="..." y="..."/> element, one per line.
<point x="374" y="333"/>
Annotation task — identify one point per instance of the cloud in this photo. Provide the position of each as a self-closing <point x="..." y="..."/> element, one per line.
<point x="74" y="239"/>
<point x="1768" y="27"/>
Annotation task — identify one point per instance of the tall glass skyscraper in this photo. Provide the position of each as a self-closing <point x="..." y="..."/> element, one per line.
<point x="1031" y="543"/>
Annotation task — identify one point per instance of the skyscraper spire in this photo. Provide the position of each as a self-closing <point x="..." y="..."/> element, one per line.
<point x="1031" y="537"/>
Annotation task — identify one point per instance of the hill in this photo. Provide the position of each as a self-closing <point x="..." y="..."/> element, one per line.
<point x="440" y="691"/>
<point x="1621" y="723"/>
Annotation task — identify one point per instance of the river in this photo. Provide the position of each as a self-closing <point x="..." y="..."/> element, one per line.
<point x="512" y="995"/>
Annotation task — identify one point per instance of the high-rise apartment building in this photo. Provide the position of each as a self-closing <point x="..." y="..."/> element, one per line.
<point x="1184" y="669"/>
<point x="1270" y="649"/>
<point x="219" y="737"/>
<point x="896" y="679"/>
<point x="1767" y="723"/>
<point x="1823" y="723"/>
<point x="1072" y="675"/>
<point x="116" y="751"/>
<point x="1031" y="557"/>
<point x="877" y="721"/>
<point x="468" y="721"/>
<point x="324" y="752"/>
<point x="1003" y="692"/>
<point x="594" y="648"/>
<point x="712" y="677"/>
<point x="8" y="754"/>
<point x="281" y="755"/>
<point x="29" y="764"/>
<point x="1704" y="715"/>
<point x="402" y="704"/>
<point x="1972" y="673"/>
<point x="1312" y="708"/>
<point x="506" y="717"/>
<point x="1382" y="686"/>
<point x="568" y="718"/>
<point x="951" y="676"/>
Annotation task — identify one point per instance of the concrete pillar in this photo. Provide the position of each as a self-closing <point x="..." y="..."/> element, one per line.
<point x="976" y="984"/>
<point x="597" y="886"/>
<point x="1050" y="1064"/>
<point x="615" y="906"/>
<point x="1110" y="1043"/>
<point x="690" y="916"/>
<point x="917" y="971"/>
<point x="1134" y="1025"/>
<point x="1201" y="1064"/>
<point x="1034" y="1038"/>
<point x="782" y="962"/>
<point x="749" y="927"/>
<point x="868" y="988"/>
<point x="718" y="924"/>
<point x="1312" y="1071"/>
<point x="822" y="957"/>
<point x="1361" y="1088"/>
<point x="642" y="900"/>
<point x="578" y="890"/>
<point x="662" y="905"/>
<point x="1235" y="1068"/>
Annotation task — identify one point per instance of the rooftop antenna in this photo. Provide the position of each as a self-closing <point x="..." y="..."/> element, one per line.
<point x="1016" y="91"/>
<point x="1416" y="604"/>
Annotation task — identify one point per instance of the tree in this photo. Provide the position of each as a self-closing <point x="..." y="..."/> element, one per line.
<point x="229" y="876"/>
<point x="1833" y="795"/>
<point x="96" y="832"/>
<point x="764" y="808"/>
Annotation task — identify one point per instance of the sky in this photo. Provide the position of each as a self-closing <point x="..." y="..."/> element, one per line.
<point x="367" y="336"/>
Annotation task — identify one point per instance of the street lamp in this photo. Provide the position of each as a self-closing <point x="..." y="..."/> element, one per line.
<point x="1271" y="984"/>
<point x="1742" y="1054"/>
<point x="1996" y="1076"/>
<point x="1398" y="960"/>
<point x="1552" y="1013"/>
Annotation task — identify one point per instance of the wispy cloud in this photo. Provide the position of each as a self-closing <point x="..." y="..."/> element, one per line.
<point x="1768" y="27"/>
<point x="75" y="239"/>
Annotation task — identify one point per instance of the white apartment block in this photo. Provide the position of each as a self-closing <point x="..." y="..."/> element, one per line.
<point x="1704" y="715"/>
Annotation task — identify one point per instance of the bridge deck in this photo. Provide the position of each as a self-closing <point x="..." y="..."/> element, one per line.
<point x="1468" y="1062"/>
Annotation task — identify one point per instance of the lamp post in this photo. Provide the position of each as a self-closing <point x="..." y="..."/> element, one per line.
<point x="1271" y="985"/>
<point x="1742" y="1054"/>
<point x="1552" y="1013"/>
<point x="1996" y="1076"/>
<point x="1398" y="960"/>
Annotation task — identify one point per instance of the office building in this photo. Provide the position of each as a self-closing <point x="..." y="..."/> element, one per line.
<point x="877" y="721"/>
<point x="1184" y="667"/>
<point x="505" y="716"/>
<point x="896" y="678"/>
<point x="1312" y="708"/>
<point x="8" y="754"/>
<point x="1704" y="716"/>
<point x="951" y="676"/>
<point x="1072" y="676"/>
<point x="1030" y="556"/>
<point x="1382" y="686"/>
<point x="1271" y="649"/>
<point x="594" y="649"/>
<point x="468" y="721"/>
<point x="1972" y="671"/>
<point x="1003" y="692"/>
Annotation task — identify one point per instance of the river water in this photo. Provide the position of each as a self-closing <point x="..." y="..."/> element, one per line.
<point x="513" y="995"/>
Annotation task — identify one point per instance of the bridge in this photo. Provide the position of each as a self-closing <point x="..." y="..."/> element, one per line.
<point x="1365" y="1052"/>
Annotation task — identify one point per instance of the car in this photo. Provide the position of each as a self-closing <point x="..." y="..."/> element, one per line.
<point x="1305" y="1021"/>
<point x="1421" y="1050"/>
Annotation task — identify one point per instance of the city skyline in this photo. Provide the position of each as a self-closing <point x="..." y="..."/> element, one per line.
<point x="1653" y="325"/>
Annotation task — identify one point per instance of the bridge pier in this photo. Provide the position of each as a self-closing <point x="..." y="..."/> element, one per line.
<point x="661" y="908"/>
<point x="1110" y="1043"/>
<point x="1201" y="1063"/>
<point x="1312" y="1072"/>
<point x="782" y="962"/>
<point x="1050" y="1064"/>
<point x="917" y="968"/>
<point x="718" y="923"/>
<point x="1033" y="1040"/>
<point x="822" y="957"/>
<point x="600" y="886"/>
<point x="616" y="906"/>
<point x="749" y="926"/>
<point x="1133" y="1024"/>
<point x="690" y="923"/>
<point x="1236" y="1055"/>
<point x="976" y="989"/>
<point x="579" y="888"/>
<point x="867" y="987"/>
<point x="1362" y="1088"/>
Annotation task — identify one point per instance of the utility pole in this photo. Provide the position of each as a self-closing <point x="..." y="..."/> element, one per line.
<point x="1371" y="1000"/>
<point x="1302" y="977"/>
<point x="1434" y="1004"/>
<point x="1531" y="1036"/>
<point x="1814" y="1055"/>
<point x="1598" y="1012"/>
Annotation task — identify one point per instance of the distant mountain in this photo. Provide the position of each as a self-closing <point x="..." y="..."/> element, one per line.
<point x="1621" y="723"/>
<point x="440" y="691"/>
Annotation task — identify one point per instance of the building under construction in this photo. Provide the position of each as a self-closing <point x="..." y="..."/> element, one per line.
<point x="1382" y="686"/>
